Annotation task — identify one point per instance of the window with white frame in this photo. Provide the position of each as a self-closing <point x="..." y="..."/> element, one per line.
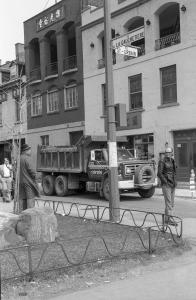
<point x="71" y="96"/>
<point x="168" y="84"/>
<point x="52" y="101"/>
<point x="135" y="88"/>
<point x="36" y="105"/>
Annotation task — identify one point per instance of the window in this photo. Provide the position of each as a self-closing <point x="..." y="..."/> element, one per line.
<point x="44" y="140"/>
<point x="1" y="121"/>
<point x="17" y="109"/>
<point x="36" y="105"/>
<point x="52" y="101"/>
<point x="3" y="96"/>
<point x="168" y="84"/>
<point x="71" y="96"/>
<point x="135" y="83"/>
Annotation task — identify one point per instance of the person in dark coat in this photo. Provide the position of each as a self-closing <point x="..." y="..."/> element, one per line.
<point x="167" y="176"/>
<point x="28" y="188"/>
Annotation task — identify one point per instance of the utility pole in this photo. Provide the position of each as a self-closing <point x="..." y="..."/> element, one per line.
<point x="111" y="124"/>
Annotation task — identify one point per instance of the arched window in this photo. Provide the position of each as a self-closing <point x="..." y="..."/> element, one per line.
<point x="52" y="67"/>
<point x="169" y="25"/>
<point x="71" y="95"/>
<point x="135" y="28"/>
<point x="52" y="100"/>
<point x="36" y="104"/>
<point x="35" y="72"/>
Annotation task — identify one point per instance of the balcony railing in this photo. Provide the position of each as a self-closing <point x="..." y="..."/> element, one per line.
<point x="52" y="69"/>
<point x="35" y="74"/>
<point x="167" y="41"/>
<point x="101" y="62"/>
<point x="141" y="51"/>
<point x="70" y="63"/>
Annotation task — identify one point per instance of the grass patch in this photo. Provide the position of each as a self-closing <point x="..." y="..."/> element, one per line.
<point x="82" y="241"/>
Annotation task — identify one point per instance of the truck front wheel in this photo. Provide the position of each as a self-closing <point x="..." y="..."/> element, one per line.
<point x="147" y="193"/>
<point x="106" y="189"/>
<point x="61" y="185"/>
<point x="48" y="185"/>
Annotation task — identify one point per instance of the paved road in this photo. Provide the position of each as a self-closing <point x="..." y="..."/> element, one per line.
<point x="184" y="207"/>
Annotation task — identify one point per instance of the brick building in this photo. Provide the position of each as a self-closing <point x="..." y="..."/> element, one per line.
<point x="12" y="123"/>
<point x="54" y="67"/>
<point x="158" y="86"/>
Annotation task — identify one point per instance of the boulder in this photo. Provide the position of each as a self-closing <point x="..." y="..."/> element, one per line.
<point x="38" y="225"/>
<point x="8" y="236"/>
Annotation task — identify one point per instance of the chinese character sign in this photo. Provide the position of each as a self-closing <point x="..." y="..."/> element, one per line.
<point x="50" y="18"/>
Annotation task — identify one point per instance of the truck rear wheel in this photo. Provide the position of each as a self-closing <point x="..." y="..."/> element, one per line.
<point x="147" y="193"/>
<point x="106" y="189"/>
<point x="48" y="185"/>
<point x="61" y="185"/>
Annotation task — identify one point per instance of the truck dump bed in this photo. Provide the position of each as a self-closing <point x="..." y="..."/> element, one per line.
<point x="59" y="159"/>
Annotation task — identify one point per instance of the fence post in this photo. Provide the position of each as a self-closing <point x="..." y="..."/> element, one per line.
<point x="149" y="241"/>
<point x="97" y="213"/>
<point x="30" y="263"/>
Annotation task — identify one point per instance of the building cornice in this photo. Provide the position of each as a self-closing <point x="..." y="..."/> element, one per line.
<point x="115" y="13"/>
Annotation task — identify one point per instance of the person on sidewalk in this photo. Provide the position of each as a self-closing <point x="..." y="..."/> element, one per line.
<point x="6" y="180"/>
<point x="28" y="188"/>
<point x="167" y="176"/>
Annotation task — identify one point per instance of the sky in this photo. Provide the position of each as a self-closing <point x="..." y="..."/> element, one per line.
<point x="13" y="14"/>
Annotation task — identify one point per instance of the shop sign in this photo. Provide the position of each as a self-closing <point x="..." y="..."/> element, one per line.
<point x="52" y="17"/>
<point x="129" y="51"/>
<point x="128" y="38"/>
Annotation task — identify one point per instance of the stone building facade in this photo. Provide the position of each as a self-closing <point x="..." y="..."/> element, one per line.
<point x="158" y="86"/>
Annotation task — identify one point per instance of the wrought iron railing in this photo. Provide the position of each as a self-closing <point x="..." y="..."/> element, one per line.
<point x="167" y="41"/>
<point x="70" y="63"/>
<point x="52" y="69"/>
<point x="35" y="74"/>
<point x="148" y="228"/>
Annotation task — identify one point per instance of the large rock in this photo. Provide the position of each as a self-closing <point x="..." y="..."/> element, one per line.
<point x="8" y="236"/>
<point x="38" y="225"/>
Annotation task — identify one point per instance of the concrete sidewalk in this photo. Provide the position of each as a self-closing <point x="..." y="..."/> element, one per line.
<point x="170" y="284"/>
<point x="182" y="193"/>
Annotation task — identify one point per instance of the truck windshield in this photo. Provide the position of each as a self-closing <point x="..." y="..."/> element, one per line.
<point x="124" y="154"/>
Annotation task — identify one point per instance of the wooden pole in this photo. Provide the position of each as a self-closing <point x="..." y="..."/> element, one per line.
<point x="111" y="125"/>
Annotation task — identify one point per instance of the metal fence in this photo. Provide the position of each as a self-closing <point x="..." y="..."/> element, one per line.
<point x="148" y="228"/>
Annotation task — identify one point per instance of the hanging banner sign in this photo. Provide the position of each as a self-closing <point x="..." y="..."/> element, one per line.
<point x="128" y="38"/>
<point x="129" y="51"/>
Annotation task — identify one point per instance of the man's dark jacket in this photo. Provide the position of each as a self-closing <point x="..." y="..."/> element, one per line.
<point x="167" y="172"/>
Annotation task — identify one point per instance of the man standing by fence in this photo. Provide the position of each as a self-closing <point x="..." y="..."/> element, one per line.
<point x="167" y="175"/>
<point x="28" y="188"/>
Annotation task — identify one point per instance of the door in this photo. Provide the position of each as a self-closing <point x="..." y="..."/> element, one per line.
<point x="185" y="156"/>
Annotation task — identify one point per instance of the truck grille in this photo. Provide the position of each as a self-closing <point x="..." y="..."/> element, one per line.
<point x="129" y="170"/>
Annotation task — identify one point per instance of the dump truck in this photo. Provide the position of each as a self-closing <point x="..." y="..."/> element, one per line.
<point x="84" y="167"/>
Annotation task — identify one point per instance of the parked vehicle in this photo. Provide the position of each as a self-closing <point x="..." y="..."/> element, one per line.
<point x="85" y="168"/>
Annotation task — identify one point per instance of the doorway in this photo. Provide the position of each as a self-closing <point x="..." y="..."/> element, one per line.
<point x="185" y="154"/>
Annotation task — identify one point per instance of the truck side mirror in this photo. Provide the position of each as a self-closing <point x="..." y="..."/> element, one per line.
<point x="93" y="155"/>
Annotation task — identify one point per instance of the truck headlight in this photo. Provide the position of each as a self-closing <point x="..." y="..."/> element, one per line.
<point x="128" y="170"/>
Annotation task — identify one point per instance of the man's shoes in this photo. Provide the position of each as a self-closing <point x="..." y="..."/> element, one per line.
<point x="171" y="222"/>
